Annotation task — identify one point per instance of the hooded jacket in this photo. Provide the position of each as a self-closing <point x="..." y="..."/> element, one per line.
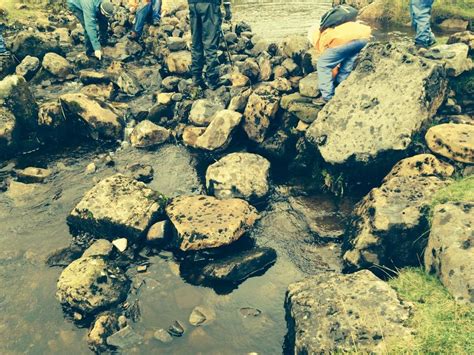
<point x="339" y="35"/>
<point x="90" y="9"/>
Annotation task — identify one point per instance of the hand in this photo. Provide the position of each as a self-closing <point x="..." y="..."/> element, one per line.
<point x="228" y="12"/>
<point x="98" y="54"/>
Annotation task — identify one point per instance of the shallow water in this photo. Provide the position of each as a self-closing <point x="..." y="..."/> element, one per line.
<point x="33" y="225"/>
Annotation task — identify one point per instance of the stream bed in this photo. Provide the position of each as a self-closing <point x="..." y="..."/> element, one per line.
<point x="249" y="318"/>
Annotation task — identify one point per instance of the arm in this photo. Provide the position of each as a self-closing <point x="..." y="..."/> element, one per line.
<point x="90" y="24"/>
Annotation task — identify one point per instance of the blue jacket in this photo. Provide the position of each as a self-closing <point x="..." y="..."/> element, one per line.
<point x="90" y="9"/>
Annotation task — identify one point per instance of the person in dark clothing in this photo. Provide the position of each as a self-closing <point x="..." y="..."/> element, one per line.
<point x="93" y="14"/>
<point x="206" y="20"/>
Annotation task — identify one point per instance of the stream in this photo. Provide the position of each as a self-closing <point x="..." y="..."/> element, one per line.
<point x="248" y="319"/>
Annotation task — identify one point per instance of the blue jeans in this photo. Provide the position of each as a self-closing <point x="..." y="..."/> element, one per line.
<point x="3" y="48"/>
<point x="345" y="56"/>
<point x="143" y="13"/>
<point x="420" y="12"/>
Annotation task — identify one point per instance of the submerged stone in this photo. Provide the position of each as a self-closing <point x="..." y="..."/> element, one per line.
<point x="124" y="338"/>
<point x="240" y="266"/>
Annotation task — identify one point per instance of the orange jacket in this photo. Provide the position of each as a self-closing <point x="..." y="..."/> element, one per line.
<point x="135" y="4"/>
<point x="342" y="34"/>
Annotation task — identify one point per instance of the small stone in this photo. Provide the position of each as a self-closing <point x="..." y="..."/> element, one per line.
<point x="247" y="312"/>
<point x="121" y="244"/>
<point x="157" y="233"/>
<point x="91" y="168"/>
<point x="201" y="315"/>
<point x="140" y="172"/>
<point x="163" y="336"/>
<point x="176" y="329"/>
<point x="122" y="321"/>
<point x="77" y="316"/>
<point x="142" y="268"/>
<point x="124" y="338"/>
<point x="100" y="247"/>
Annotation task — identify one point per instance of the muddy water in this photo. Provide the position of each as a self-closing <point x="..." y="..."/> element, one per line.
<point x="33" y="225"/>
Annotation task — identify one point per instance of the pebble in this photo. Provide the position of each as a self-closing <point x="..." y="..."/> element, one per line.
<point x="176" y="329"/>
<point x="77" y="316"/>
<point x="250" y="312"/>
<point x="121" y="244"/>
<point x="91" y="168"/>
<point x="142" y="268"/>
<point x="163" y="336"/>
<point x="122" y="321"/>
<point x="124" y="338"/>
<point x="197" y="317"/>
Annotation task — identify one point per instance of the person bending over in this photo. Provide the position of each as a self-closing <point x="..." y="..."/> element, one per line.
<point x="93" y="16"/>
<point x="142" y="10"/>
<point x="339" y="47"/>
<point x="206" y="20"/>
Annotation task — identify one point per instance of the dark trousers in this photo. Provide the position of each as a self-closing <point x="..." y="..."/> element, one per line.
<point x="206" y="20"/>
<point x="103" y="24"/>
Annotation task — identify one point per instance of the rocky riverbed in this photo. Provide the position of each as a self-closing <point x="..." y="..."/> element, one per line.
<point x="142" y="213"/>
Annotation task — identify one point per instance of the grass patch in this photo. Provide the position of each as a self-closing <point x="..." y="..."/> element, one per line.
<point x="460" y="190"/>
<point x="442" y="326"/>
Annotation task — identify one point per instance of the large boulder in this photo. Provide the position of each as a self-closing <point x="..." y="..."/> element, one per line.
<point x="372" y="119"/>
<point x="117" y="206"/>
<point x="309" y="85"/>
<point x="219" y="132"/>
<point x="450" y="250"/>
<point x="203" y="222"/>
<point x="389" y="225"/>
<point x="453" y="141"/>
<point x="35" y="44"/>
<point x="90" y="284"/>
<point x="124" y="50"/>
<point x="421" y="165"/>
<point x="330" y="313"/>
<point x="15" y="95"/>
<point x="179" y="62"/>
<point x="466" y="37"/>
<point x="294" y="46"/>
<point x="259" y="113"/>
<point x="100" y="119"/>
<point x="57" y="66"/>
<point x="147" y="134"/>
<point x="239" y="175"/>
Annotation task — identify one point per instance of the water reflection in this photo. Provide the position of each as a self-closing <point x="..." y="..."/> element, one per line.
<point x="275" y="19"/>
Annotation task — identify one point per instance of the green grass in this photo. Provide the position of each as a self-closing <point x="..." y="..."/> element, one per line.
<point x="441" y="325"/>
<point x="460" y="190"/>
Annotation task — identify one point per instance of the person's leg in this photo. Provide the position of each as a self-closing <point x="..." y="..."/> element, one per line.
<point x="197" y="50"/>
<point x="421" y="14"/>
<point x="351" y="52"/>
<point x="3" y="48"/>
<point x="156" y="11"/>
<point x="212" y="21"/>
<point x="326" y="63"/>
<point x="80" y="16"/>
<point x="103" y="23"/>
<point x="140" y="18"/>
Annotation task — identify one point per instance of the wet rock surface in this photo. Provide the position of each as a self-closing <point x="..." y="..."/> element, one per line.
<point x="450" y="250"/>
<point x="332" y="312"/>
<point x="147" y="134"/>
<point x="203" y="222"/>
<point x="365" y="106"/>
<point x="117" y="206"/>
<point x="239" y="175"/>
<point x="90" y="284"/>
